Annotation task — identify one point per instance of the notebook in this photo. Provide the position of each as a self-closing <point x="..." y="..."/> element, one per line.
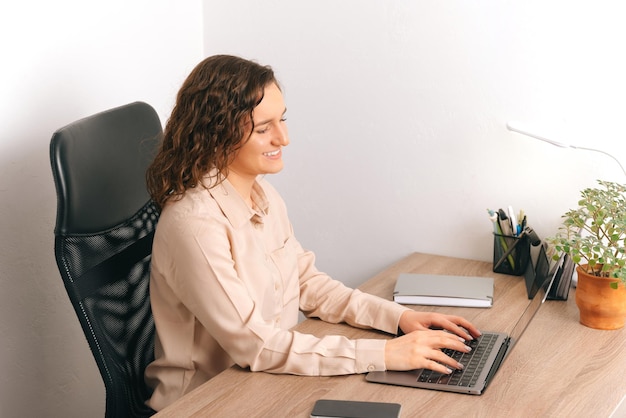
<point x="488" y="351"/>
<point x="440" y="290"/>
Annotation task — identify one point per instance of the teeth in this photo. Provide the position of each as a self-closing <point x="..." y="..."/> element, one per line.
<point x="271" y="154"/>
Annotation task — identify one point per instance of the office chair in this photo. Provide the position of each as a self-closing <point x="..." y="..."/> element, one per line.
<point x="103" y="243"/>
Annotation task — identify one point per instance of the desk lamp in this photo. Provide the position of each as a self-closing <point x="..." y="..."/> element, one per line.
<point x="515" y="127"/>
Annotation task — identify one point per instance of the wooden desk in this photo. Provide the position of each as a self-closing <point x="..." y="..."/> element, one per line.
<point x="559" y="368"/>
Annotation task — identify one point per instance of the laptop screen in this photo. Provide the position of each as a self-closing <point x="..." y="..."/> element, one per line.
<point x="541" y="286"/>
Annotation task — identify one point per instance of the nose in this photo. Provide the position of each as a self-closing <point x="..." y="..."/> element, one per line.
<point x="282" y="135"/>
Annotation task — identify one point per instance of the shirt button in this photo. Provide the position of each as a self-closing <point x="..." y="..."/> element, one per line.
<point x="371" y="368"/>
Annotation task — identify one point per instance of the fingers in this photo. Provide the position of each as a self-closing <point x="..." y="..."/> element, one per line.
<point x="467" y="331"/>
<point x="423" y="349"/>
<point x="413" y="320"/>
<point x="451" y="342"/>
<point x="442" y="363"/>
<point x="459" y="326"/>
<point x="467" y="327"/>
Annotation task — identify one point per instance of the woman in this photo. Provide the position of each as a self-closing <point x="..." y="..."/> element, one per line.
<point x="229" y="277"/>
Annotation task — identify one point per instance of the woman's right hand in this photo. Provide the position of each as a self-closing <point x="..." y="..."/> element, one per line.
<point x="423" y="350"/>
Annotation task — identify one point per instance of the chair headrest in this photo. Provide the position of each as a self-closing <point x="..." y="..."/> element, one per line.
<point x="99" y="166"/>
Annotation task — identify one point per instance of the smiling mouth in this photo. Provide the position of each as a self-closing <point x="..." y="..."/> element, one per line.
<point x="272" y="154"/>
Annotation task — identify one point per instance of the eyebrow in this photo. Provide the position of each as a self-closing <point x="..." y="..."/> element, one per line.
<point x="269" y="120"/>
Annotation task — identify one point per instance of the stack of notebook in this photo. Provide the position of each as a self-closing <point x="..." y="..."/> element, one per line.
<point x="440" y="290"/>
<point x="562" y="278"/>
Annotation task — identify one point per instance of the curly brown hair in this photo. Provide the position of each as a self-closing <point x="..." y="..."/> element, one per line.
<point x="211" y="120"/>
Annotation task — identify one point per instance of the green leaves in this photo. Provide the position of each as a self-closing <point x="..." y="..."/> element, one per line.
<point x="595" y="232"/>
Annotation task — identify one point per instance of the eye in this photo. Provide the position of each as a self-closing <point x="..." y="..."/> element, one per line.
<point x="263" y="129"/>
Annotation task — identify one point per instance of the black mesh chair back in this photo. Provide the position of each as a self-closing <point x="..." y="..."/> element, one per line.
<point x="103" y="243"/>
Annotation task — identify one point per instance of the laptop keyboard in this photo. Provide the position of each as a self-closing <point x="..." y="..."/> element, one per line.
<point x="474" y="362"/>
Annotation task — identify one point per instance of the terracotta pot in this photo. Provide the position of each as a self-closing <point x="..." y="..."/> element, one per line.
<point x="600" y="306"/>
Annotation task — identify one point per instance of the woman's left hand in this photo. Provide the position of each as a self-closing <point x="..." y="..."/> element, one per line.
<point x="418" y="321"/>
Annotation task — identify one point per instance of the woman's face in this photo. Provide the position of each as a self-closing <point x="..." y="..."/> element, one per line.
<point x="262" y="152"/>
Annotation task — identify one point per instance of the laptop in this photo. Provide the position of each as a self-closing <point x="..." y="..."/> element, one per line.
<point x="488" y="351"/>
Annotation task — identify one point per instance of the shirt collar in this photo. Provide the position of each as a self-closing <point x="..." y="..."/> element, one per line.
<point x="235" y="208"/>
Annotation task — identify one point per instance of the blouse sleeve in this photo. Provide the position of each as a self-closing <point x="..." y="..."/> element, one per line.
<point x="331" y="301"/>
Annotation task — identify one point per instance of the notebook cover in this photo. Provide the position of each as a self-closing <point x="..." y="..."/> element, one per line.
<point x="441" y="290"/>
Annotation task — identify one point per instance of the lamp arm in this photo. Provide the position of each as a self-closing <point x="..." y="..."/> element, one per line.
<point x="601" y="152"/>
<point x="514" y="127"/>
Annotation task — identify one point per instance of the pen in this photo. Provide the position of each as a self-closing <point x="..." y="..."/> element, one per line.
<point x="495" y="218"/>
<point x="514" y="224"/>
<point x="505" y="223"/>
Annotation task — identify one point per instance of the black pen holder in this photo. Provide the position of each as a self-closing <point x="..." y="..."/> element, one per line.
<point x="511" y="254"/>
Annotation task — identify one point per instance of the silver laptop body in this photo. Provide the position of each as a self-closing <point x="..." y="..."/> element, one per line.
<point x="500" y="345"/>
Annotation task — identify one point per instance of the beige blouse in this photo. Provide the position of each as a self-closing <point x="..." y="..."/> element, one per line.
<point x="226" y="287"/>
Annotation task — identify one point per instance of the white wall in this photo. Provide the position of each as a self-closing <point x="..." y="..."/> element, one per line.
<point x="397" y="113"/>
<point x="61" y="61"/>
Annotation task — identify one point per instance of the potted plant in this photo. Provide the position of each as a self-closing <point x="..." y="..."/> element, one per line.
<point x="593" y="235"/>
